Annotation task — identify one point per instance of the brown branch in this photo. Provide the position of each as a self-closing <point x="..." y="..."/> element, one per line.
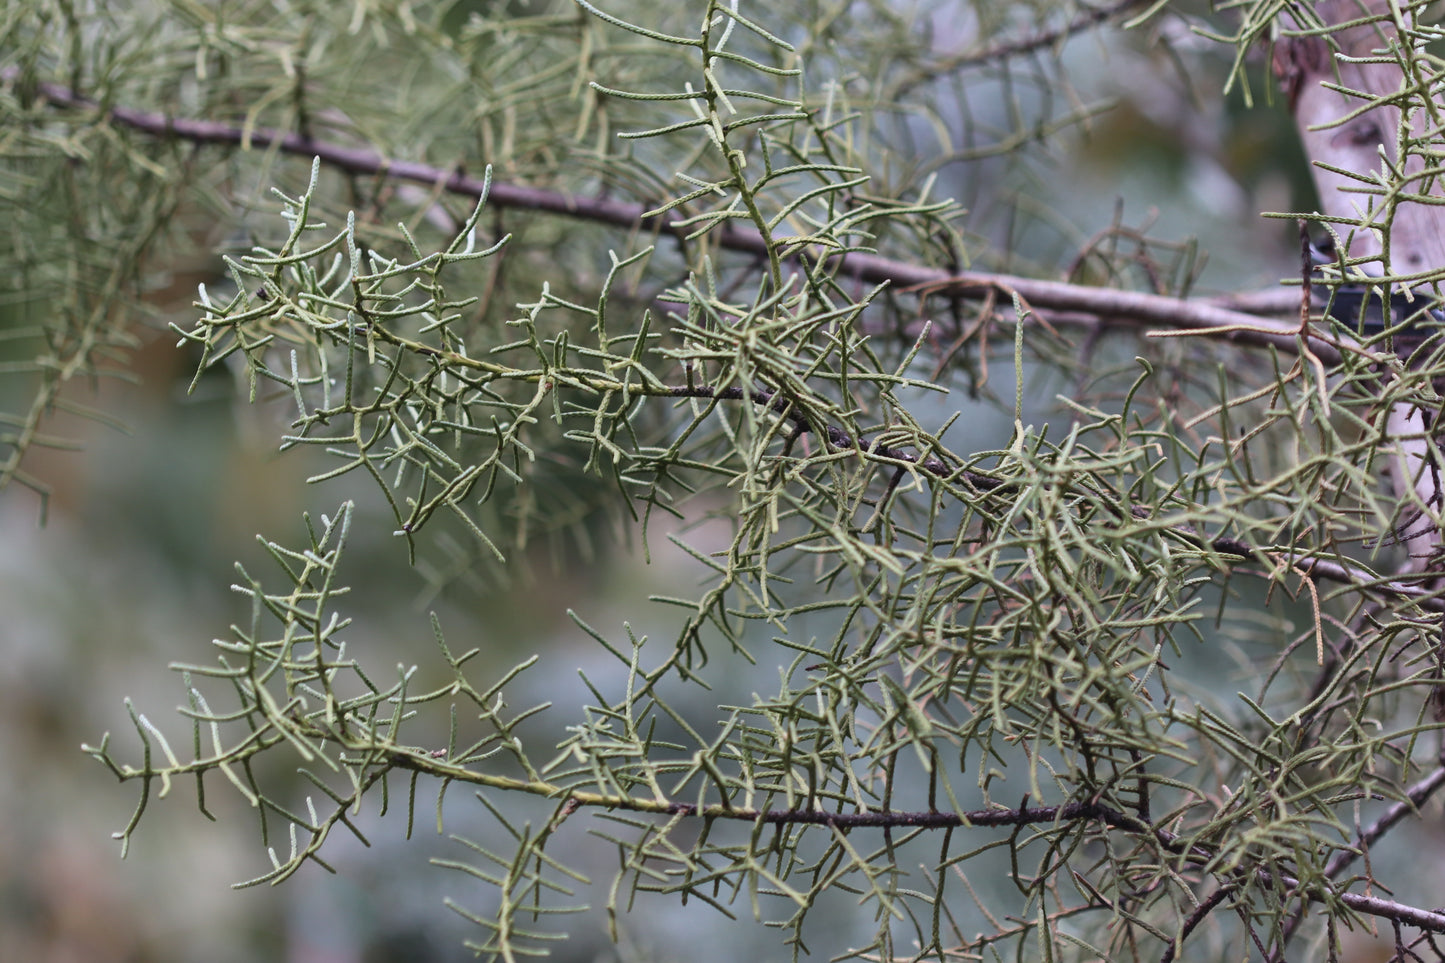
<point x="1130" y="307"/>
<point x="1340" y="572"/>
<point x="1428" y="920"/>
<point x="1024" y="815"/>
<point x="1135" y="307"/>
<point x="977" y="818"/>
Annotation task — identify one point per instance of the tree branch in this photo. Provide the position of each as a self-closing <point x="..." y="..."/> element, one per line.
<point x="1217" y="318"/>
<point x="1428" y="920"/>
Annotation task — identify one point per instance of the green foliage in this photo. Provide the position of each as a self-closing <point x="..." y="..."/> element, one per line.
<point x="987" y="659"/>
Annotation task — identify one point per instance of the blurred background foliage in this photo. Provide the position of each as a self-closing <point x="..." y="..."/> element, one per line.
<point x="1101" y="153"/>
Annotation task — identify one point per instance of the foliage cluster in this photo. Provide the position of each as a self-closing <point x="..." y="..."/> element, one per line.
<point x="987" y="657"/>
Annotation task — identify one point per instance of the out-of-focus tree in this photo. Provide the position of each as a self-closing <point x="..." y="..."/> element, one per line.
<point x="773" y="293"/>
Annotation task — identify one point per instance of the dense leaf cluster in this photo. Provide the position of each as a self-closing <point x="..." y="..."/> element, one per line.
<point x="995" y="711"/>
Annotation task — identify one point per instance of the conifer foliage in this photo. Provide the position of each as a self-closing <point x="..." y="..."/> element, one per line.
<point x="1148" y="678"/>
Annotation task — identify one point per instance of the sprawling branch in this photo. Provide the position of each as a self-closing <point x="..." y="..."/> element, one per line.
<point x="1217" y="318"/>
<point x="426" y="763"/>
<point x="1036" y="588"/>
<point x="1428" y="920"/>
